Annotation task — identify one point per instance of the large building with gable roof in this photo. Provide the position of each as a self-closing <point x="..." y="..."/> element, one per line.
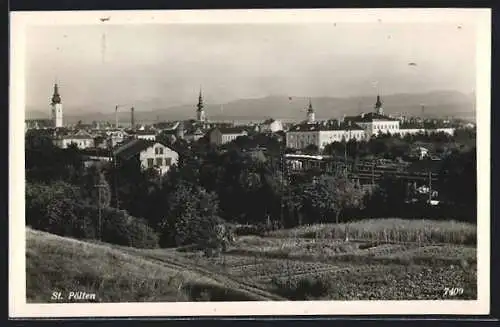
<point x="151" y="154"/>
<point x="376" y="122"/>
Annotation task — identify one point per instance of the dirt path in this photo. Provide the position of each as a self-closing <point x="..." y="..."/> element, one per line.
<point x="216" y="276"/>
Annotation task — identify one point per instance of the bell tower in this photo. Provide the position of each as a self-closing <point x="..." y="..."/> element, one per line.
<point x="378" y="106"/>
<point x="310" y="113"/>
<point x="56" y="108"/>
<point x="200" y="111"/>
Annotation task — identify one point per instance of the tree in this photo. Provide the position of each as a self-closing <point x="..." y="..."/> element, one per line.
<point x="328" y="195"/>
<point x="311" y="149"/>
<point x="189" y="208"/>
<point x="96" y="188"/>
<point x="458" y="180"/>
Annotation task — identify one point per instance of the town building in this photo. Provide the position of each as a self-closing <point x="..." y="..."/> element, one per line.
<point x="82" y="140"/>
<point x="322" y="133"/>
<point x="38" y="124"/>
<point x="151" y="154"/>
<point x="376" y="122"/>
<point x="149" y="135"/>
<point x="223" y="135"/>
<point x="271" y="126"/>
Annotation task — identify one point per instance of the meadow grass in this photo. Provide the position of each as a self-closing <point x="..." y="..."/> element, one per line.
<point x="390" y="230"/>
<point x="59" y="264"/>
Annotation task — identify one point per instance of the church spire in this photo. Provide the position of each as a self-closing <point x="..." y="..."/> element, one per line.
<point x="200" y="112"/>
<point x="56" y="97"/>
<point x="310" y="108"/>
<point x="200" y="102"/>
<point x="310" y="113"/>
<point x="378" y="106"/>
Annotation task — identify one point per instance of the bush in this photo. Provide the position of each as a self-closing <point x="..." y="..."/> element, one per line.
<point x="118" y="227"/>
<point x="242" y="230"/>
<point x="56" y="209"/>
<point x="306" y="288"/>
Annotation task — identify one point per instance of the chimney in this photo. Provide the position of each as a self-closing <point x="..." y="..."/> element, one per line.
<point x="132" y="120"/>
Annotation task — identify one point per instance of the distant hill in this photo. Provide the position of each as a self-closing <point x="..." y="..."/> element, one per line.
<point x="436" y="104"/>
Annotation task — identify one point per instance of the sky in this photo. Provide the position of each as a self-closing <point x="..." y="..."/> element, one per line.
<point x="99" y="66"/>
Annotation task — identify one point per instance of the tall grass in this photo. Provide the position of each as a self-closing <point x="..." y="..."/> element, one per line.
<point x="391" y="230"/>
<point x="59" y="264"/>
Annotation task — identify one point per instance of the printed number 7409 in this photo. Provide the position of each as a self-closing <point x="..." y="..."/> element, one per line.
<point x="453" y="291"/>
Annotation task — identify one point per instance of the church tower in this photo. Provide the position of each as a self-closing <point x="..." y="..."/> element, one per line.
<point x="200" y="111"/>
<point x="56" y="108"/>
<point x="310" y="113"/>
<point x="378" y="106"/>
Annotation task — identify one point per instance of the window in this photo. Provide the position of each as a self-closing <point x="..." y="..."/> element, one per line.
<point x="159" y="162"/>
<point x="158" y="150"/>
<point x="150" y="162"/>
<point x="168" y="161"/>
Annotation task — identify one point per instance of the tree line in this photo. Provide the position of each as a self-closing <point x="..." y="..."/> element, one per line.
<point x="213" y="189"/>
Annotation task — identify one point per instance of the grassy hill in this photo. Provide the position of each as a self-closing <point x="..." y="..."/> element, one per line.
<point x="59" y="264"/>
<point x="384" y="259"/>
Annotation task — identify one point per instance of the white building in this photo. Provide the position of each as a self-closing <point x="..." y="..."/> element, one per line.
<point x="81" y="139"/>
<point x="149" y="135"/>
<point x="271" y="126"/>
<point x="322" y="133"/>
<point x="376" y="122"/>
<point x="115" y="137"/>
<point x="151" y="154"/>
<point x="56" y="108"/>
<point x="222" y="135"/>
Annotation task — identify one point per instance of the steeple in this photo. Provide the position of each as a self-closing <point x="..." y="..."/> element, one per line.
<point x="310" y="113"/>
<point x="200" y="112"/>
<point x="200" y="102"/>
<point x="56" y="109"/>
<point x="378" y="106"/>
<point x="310" y="108"/>
<point x="56" y="97"/>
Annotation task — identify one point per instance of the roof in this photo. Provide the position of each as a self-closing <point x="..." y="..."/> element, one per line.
<point x="80" y="135"/>
<point x="167" y="125"/>
<point x="325" y="126"/>
<point x="39" y="122"/>
<point x="369" y="117"/>
<point x="134" y="147"/>
<point x="232" y="130"/>
<point x="145" y="132"/>
<point x="98" y="152"/>
<point x="269" y="121"/>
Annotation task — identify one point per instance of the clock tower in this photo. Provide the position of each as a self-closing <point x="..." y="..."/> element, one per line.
<point x="56" y="108"/>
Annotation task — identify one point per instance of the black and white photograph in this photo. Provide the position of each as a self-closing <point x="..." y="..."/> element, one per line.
<point x="250" y="162"/>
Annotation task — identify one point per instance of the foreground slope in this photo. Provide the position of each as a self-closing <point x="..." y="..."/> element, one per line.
<point x="60" y="264"/>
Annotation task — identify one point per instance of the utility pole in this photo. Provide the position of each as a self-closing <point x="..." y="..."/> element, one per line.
<point x="373" y="173"/>
<point x="99" y="224"/>
<point x="430" y="187"/>
<point x="282" y="159"/>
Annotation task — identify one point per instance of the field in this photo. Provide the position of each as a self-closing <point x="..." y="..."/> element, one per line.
<point x="59" y="264"/>
<point x="312" y="262"/>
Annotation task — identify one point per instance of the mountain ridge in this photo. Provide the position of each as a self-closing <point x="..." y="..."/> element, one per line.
<point x="440" y="103"/>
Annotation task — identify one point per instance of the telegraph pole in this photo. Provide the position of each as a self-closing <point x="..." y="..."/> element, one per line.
<point x="373" y="173"/>
<point x="430" y="187"/>
<point x="99" y="224"/>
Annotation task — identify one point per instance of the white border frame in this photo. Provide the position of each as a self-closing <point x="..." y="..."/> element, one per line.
<point x="17" y="273"/>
